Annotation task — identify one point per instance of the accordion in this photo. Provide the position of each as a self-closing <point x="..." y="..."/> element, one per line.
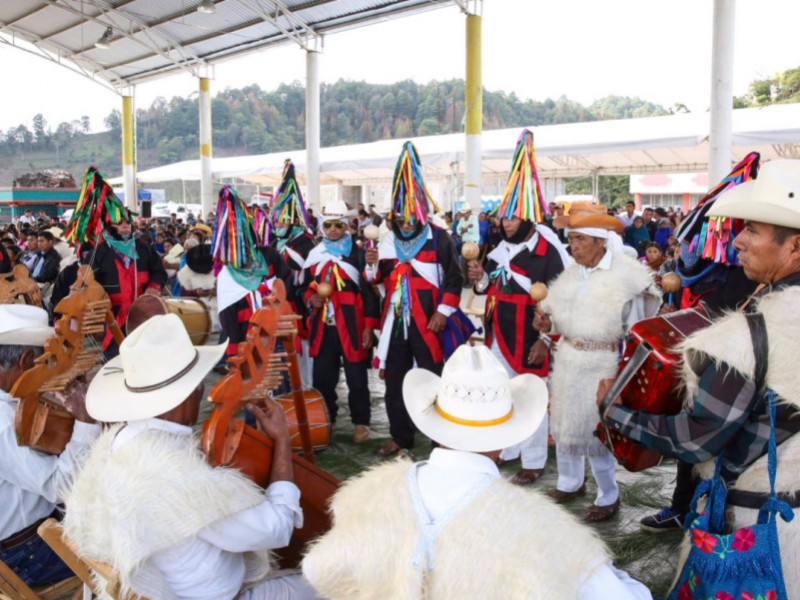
<point x="649" y="379"/>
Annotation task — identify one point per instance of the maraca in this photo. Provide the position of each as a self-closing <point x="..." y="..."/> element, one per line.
<point x="324" y="289"/>
<point x="538" y="291"/>
<point x="470" y="251"/>
<point x="671" y="283"/>
<point x="371" y="233"/>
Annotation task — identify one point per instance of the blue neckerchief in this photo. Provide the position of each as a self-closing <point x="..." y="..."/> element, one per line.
<point x="407" y="249"/>
<point x="340" y="247"/>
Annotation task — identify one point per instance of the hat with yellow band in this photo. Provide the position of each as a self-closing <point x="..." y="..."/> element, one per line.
<point x="475" y="406"/>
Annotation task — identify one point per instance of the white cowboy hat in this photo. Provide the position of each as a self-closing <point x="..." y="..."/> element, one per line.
<point x="23" y="325"/>
<point x="157" y="369"/>
<point x="336" y="210"/>
<point x="474" y="406"/>
<point x="773" y="197"/>
<point x="57" y="232"/>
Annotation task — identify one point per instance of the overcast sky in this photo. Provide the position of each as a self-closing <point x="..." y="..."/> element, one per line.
<point x="583" y="49"/>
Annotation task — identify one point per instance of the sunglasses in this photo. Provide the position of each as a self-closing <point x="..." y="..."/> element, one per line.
<point x="336" y="224"/>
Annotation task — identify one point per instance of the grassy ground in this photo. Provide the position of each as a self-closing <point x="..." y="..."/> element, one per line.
<point x="650" y="558"/>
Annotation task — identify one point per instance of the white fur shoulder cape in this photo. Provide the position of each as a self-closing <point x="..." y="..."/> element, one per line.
<point x="151" y="494"/>
<point x="508" y="543"/>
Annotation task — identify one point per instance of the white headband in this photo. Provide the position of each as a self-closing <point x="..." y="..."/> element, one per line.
<point x="596" y="232"/>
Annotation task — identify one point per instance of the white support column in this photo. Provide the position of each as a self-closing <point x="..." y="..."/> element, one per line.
<point x="312" y="131"/>
<point x="129" y="152"/>
<point x="206" y="183"/>
<point x="474" y="114"/>
<point x="720" y="136"/>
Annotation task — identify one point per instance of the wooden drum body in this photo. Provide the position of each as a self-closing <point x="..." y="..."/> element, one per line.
<point x="319" y="422"/>
<point x="192" y="312"/>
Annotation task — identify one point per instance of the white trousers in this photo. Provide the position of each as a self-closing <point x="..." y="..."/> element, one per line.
<point x="533" y="450"/>
<point x="290" y="587"/>
<point x="572" y="474"/>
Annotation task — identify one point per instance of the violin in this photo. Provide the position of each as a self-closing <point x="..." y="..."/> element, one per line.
<point x="41" y="422"/>
<point x="254" y="373"/>
<point x="19" y="285"/>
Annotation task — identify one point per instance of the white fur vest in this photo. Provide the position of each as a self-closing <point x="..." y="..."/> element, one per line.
<point x="191" y="280"/>
<point x="151" y="494"/>
<point x="598" y="315"/>
<point x="728" y="340"/>
<point x="508" y="543"/>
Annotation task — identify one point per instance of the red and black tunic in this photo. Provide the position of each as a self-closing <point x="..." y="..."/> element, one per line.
<point x="124" y="280"/>
<point x="294" y="254"/>
<point x="235" y="319"/>
<point x="510" y="308"/>
<point x="425" y="296"/>
<point x="356" y="306"/>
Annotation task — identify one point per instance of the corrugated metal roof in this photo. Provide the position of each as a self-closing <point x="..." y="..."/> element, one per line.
<point x="153" y="38"/>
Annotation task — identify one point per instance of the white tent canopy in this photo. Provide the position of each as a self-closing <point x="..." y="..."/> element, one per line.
<point x="670" y="144"/>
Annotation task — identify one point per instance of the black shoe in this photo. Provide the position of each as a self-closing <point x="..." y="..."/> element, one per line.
<point x="665" y="520"/>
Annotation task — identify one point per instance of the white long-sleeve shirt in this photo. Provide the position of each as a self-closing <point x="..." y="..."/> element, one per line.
<point x="30" y="482"/>
<point x="211" y="566"/>
<point x="449" y="474"/>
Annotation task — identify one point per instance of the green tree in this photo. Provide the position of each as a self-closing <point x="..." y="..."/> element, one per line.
<point x="40" y="136"/>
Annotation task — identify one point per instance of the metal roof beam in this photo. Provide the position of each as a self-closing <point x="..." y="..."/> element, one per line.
<point x="43" y="53"/>
<point x="308" y="39"/>
<point x="109" y="12"/>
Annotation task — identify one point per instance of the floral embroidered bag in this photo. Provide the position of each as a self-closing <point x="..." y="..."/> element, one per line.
<point x="744" y="564"/>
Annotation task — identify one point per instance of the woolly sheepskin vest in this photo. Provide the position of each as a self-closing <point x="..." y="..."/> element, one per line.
<point x="598" y="315"/>
<point x="151" y="494"/>
<point x="508" y="543"/>
<point x="728" y="340"/>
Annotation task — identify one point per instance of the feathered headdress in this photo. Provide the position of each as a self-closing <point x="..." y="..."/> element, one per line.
<point x="97" y="208"/>
<point x="233" y="240"/>
<point x="288" y="205"/>
<point x="523" y="196"/>
<point x="410" y="197"/>
<point x="712" y="237"/>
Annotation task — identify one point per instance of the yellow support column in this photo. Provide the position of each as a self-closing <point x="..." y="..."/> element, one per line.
<point x="474" y="114"/>
<point x="129" y="154"/>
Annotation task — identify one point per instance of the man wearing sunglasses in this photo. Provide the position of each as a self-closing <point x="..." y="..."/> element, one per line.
<point x="418" y="266"/>
<point x="342" y="321"/>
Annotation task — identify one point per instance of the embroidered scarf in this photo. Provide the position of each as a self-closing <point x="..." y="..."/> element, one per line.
<point x="339" y="248"/>
<point x="125" y="247"/>
<point x="291" y="233"/>
<point x="252" y="274"/>
<point x="408" y="248"/>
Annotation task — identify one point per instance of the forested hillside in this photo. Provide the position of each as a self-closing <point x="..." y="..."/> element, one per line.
<point x="251" y="121"/>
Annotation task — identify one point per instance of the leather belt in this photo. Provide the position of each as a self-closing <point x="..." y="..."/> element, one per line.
<point x="25" y="535"/>
<point x="756" y="500"/>
<point x="584" y="345"/>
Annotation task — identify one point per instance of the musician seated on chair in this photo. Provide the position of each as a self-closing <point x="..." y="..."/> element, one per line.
<point x="727" y="411"/>
<point x="450" y="527"/>
<point x="30" y="481"/>
<point x="149" y="504"/>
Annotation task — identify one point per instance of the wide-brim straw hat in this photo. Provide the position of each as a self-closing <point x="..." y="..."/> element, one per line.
<point x="475" y="406"/>
<point x="336" y="211"/>
<point x="156" y="370"/>
<point x="773" y="197"/>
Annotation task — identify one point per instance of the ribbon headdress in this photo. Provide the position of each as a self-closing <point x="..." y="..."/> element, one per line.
<point x="523" y="197"/>
<point x="410" y="198"/>
<point x="288" y="205"/>
<point x="97" y="208"/>
<point x="233" y="240"/>
<point x="712" y="237"/>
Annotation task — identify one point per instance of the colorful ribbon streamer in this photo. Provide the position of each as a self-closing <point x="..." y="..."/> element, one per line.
<point x="411" y="200"/>
<point x="523" y="196"/>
